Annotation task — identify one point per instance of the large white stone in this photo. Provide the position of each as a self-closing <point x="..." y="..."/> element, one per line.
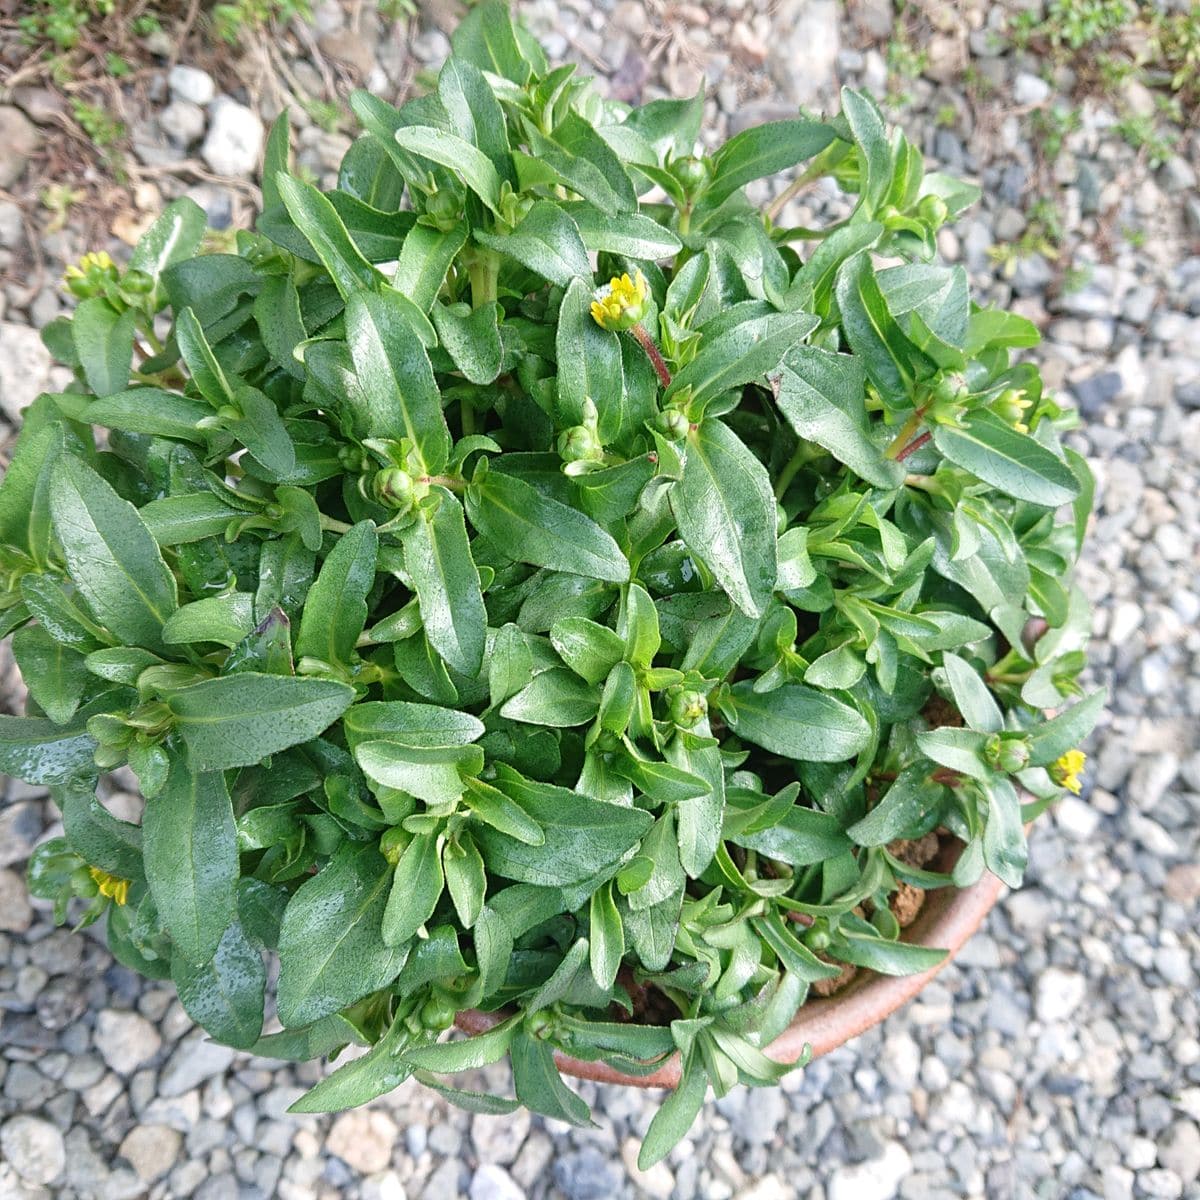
<point x="235" y="139"/>
<point x="26" y="370"/>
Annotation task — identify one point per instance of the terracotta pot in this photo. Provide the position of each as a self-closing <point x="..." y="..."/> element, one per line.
<point x="947" y="919"/>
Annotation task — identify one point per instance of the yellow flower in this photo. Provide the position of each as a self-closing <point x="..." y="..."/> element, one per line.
<point x="620" y="303"/>
<point x="89" y="275"/>
<point x="1067" y="769"/>
<point x="110" y="885"/>
<point x="99" y="260"/>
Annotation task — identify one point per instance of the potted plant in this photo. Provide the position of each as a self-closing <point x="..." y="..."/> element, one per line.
<point x="535" y="589"/>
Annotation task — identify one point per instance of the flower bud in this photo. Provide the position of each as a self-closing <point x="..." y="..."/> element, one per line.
<point x="1014" y="755"/>
<point x="672" y="424"/>
<point x="690" y="171"/>
<point x="579" y="443"/>
<point x="817" y="935"/>
<point x="393" y="843"/>
<point x="394" y="488"/>
<point x="621" y="303"/>
<point x="932" y="211"/>
<point x="438" y="1013"/>
<point x="137" y="283"/>
<point x="688" y="707"/>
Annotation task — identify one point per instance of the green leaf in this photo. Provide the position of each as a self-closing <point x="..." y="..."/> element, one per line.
<point x="361" y="1079"/>
<point x="546" y="241"/>
<point x="487" y="38"/>
<point x="191" y="859"/>
<point x="466" y="878"/>
<point x="971" y="696"/>
<point x="335" y="612"/>
<point x="39" y="751"/>
<point x="437" y="556"/>
<point x="401" y="398"/>
<point x="475" y="113"/>
<point x="34" y="455"/>
<point x="535" y="529"/>
<point x="331" y="948"/>
<point x="760" y="151"/>
<point x="749" y="350"/>
<point x="583" y="837"/>
<point x="416" y="889"/>
<point x="151" y="411"/>
<point x="804" y="836"/>
<point x="240" y="720"/>
<point x="103" y="343"/>
<point x="471" y="336"/>
<point x="538" y="1084"/>
<point x="958" y="749"/>
<point x="606" y="937"/>
<point x="1009" y="460"/>
<point x="178" y="520"/>
<point x="318" y="221"/>
<point x="113" y="558"/>
<point x="891" y="360"/>
<point x="676" y="1115"/>
<point x="582" y="159"/>
<point x="875" y="156"/>
<point x="631" y="235"/>
<point x="557" y="698"/>
<point x="797" y="722"/>
<point x="491" y="806"/>
<point x="280" y="320"/>
<point x="903" y="810"/>
<point x="470" y="1054"/>
<point x="409" y="724"/>
<point x="590" y="650"/>
<point x="1050" y="740"/>
<point x="468" y="162"/>
<point x="888" y="958"/>
<point x="725" y="511"/>
<point x="174" y="237"/>
<point x="1004" y="847"/>
<point x="222" y="619"/>
<point x="589" y="363"/>
<point x="821" y="394"/>
<point x="431" y="773"/>
<point x="424" y="260"/>
<point x="54" y="674"/>
<point x="225" y="994"/>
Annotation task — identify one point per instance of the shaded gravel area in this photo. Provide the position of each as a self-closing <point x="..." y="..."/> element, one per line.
<point x="1059" y="1057"/>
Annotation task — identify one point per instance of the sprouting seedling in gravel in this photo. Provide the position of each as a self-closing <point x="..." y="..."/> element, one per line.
<point x="527" y="578"/>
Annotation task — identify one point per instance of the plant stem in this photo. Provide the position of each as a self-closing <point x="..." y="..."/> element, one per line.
<point x="914" y="446"/>
<point x="652" y="353"/>
<point x="798" y="459"/>
<point x="446" y="481"/>
<point x="907" y="431"/>
<point x="484" y="271"/>
<point x="333" y="525"/>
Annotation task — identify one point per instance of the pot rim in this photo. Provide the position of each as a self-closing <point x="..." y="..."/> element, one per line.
<point x="948" y="918"/>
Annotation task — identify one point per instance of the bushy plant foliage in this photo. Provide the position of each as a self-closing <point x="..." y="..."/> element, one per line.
<point x="527" y="579"/>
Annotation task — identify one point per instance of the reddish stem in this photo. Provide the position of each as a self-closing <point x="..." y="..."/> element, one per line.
<point x="652" y="353"/>
<point x="913" y="446"/>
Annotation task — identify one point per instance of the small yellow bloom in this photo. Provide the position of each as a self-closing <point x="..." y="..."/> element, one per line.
<point x="110" y="885"/>
<point x="98" y="260"/>
<point x="1066" y="770"/>
<point x="620" y="303"/>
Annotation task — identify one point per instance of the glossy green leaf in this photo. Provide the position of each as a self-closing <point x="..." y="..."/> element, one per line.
<point x="113" y="558"/>
<point x="241" y="719"/>
<point x="547" y="241"/>
<point x="191" y="859"/>
<point x="331" y="948"/>
<point x="335" y="612"/>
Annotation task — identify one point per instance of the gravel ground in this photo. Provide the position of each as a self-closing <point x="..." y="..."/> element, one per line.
<point x="1059" y="1057"/>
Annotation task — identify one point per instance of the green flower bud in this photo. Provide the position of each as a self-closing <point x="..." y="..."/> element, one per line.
<point x="672" y="424"/>
<point x="817" y="937"/>
<point x="688" y="707"/>
<point x="137" y="283"/>
<point x="932" y="211"/>
<point x="690" y="171"/>
<point x="438" y="1013"/>
<point x="393" y="843"/>
<point x="394" y="488"/>
<point x="1013" y="755"/>
<point x="579" y="443"/>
